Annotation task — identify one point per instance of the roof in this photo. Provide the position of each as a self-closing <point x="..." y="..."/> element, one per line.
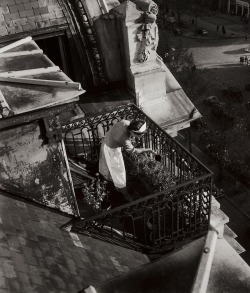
<point x="240" y="2"/>
<point x="37" y="256"/>
<point x="31" y="89"/>
<point x="176" y="272"/>
<point x="172" y="273"/>
<point x="23" y="16"/>
<point x="161" y="96"/>
<point x="171" y="109"/>
<point x="27" y="62"/>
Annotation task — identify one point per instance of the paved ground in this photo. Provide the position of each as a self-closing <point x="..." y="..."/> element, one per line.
<point x="216" y="49"/>
<point x="234" y="27"/>
<point x="220" y="53"/>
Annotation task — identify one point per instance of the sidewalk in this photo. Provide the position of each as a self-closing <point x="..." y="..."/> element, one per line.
<point x="233" y="26"/>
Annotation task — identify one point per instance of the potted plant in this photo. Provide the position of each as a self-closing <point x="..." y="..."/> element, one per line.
<point x="151" y="171"/>
<point x="154" y="174"/>
<point x="95" y="194"/>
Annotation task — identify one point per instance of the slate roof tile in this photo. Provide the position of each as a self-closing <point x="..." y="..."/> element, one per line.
<point x="37" y="256"/>
<point x="25" y="15"/>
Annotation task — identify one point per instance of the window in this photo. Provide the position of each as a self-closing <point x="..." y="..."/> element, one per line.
<point x="57" y="50"/>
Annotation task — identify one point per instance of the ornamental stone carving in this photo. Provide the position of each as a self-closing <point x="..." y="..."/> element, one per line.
<point x="88" y="35"/>
<point x="153" y="8"/>
<point x="147" y="5"/>
<point x="147" y="35"/>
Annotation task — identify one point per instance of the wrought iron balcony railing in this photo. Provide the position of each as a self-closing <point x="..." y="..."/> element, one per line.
<point x="156" y="222"/>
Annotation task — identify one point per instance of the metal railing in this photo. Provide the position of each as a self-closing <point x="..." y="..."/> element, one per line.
<point x="156" y="222"/>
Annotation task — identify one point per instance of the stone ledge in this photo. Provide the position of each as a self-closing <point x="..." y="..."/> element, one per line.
<point x="235" y="245"/>
<point x="215" y="202"/>
<point x="203" y="273"/>
<point x="217" y="220"/>
<point x="228" y="232"/>
<point x="229" y="273"/>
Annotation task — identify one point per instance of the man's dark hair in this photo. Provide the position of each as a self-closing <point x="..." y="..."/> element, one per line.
<point x="135" y="125"/>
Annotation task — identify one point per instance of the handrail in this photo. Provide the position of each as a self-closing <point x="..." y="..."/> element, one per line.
<point x="119" y="108"/>
<point x="177" y="216"/>
<point x="141" y="200"/>
<point x="157" y="221"/>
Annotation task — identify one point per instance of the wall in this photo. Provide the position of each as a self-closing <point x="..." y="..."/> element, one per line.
<point x="31" y="169"/>
<point x="108" y="38"/>
<point x="21" y="18"/>
<point x="17" y="16"/>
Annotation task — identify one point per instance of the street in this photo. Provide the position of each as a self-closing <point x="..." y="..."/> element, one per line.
<point x="213" y="53"/>
<point x="218" y="55"/>
<point x="222" y="57"/>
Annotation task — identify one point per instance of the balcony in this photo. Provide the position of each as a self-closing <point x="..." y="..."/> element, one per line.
<point x="159" y="221"/>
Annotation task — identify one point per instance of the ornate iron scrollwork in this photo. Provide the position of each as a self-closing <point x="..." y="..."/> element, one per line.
<point x="156" y="222"/>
